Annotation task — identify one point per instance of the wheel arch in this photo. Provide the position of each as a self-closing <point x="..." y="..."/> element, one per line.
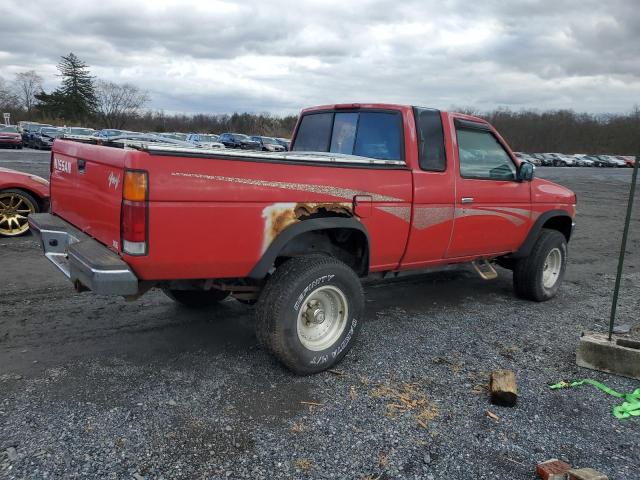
<point x="559" y="220"/>
<point x="345" y="238"/>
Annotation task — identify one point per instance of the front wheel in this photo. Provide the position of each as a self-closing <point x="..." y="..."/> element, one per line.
<point x="310" y="312"/>
<point x="538" y="276"/>
<point x="196" y="298"/>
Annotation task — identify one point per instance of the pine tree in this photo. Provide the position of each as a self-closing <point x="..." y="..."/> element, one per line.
<point x="77" y="88"/>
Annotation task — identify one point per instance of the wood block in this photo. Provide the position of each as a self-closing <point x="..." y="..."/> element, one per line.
<point x="586" y="474"/>
<point x="503" y="387"/>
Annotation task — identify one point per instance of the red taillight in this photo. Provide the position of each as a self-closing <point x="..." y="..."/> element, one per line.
<point x="134" y="213"/>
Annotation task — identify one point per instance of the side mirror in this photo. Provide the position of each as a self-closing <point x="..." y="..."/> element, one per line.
<point x="526" y="171"/>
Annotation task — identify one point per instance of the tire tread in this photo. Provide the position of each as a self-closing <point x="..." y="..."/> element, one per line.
<point x="525" y="274"/>
<point x="273" y="301"/>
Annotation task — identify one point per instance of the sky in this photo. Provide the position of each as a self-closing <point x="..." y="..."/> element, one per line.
<point x="280" y="56"/>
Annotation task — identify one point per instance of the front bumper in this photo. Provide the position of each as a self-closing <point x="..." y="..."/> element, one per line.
<point x="83" y="260"/>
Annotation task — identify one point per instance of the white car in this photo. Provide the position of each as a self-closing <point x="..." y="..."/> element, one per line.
<point x="583" y="160"/>
<point x="562" y="160"/>
<point x="204" y="140"/>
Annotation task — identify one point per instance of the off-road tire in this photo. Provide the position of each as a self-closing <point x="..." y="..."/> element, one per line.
<point x="287" y="291"/>
<point x="528" y="272"/>
<point x="196" y="298"/>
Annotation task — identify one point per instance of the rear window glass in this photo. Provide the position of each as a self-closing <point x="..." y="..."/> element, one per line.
<point x="344" y="133"/>
<point x="9" y="129"/>
<point x="366" y="134"/>
<point x="314" y="133"/>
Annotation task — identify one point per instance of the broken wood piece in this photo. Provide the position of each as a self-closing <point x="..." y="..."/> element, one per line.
<point x="503" y="387"/>
<point x="492" y="415"/>
<point x="422" y="423"/>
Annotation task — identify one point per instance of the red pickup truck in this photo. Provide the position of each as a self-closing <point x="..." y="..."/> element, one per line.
<point x="365" y="190"/>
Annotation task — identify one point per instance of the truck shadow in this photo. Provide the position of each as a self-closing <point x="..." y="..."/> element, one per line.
<point x="425" y="291"/>
<point x="84" y="327"/>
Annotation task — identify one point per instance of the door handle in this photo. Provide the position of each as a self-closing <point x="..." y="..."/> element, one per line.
<point x="467" y="199"/>
<point x="81" y="165"/>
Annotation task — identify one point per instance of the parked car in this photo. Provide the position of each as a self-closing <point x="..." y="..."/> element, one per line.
<point x="238" y="140"/>
<point x="107" y="133"/>
<point x="204" y="140"/>
<point x="43" y="138"/>
<point x="612" y="160"/>
<point x="527" y="158"/>
<point x="629" y="160"/>
<point x="21" y="194"/>
<point x="10" y="137"/>
<point x="28" y="130"/>
<point x="544" y="161"/>
<point x="173" y="135"/>
<point x="26" y="126"/>
<point x="365" y="191"/>
<point x="79" y="131"/>
<point x="268" y="144"/>
<point x="285" y="142"/>
<point x="560" y="160"/>
<point x="137" y="139"/>
<point x="582" y="160"/>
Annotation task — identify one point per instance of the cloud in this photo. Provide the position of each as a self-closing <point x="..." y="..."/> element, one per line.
<point x="278" y="56"/>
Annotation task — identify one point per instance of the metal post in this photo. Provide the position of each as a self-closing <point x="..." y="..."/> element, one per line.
<point x="623" y="247"/>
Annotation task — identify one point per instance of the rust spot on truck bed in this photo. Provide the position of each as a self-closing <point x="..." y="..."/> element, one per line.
<point x="279" y="216"/>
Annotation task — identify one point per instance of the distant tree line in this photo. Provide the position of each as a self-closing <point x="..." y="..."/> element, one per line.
<point x="565" y="131"/>
<point x="81" y="99"/>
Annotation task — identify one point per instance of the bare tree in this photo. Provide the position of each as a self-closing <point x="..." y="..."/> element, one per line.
<point x="26" y="86"/>
<point x="7" y="98"/>
<point x="118" y="103"/>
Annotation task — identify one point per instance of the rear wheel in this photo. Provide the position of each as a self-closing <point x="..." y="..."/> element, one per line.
<point x="310" y="312"/>
<point x="538" y="276"/>
<point x="196" y="298"/>
<point x="15" y="207"/>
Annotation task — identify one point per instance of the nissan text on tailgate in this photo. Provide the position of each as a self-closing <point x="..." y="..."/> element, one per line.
<point x="367" y="190"/>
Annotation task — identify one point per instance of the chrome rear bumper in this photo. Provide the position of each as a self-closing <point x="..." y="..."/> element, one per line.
<point x="83" y="260"/>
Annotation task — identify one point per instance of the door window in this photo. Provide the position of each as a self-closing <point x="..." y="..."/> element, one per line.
<point x="483" y="157"/>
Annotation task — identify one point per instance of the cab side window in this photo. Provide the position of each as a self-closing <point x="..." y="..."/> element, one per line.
<point x="431" y="151"/>
<point x="482" y="156"/>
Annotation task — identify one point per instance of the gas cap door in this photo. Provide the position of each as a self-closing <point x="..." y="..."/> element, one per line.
<point x="362" y="205"/>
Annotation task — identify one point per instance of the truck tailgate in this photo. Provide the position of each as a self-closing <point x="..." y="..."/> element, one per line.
<point x="86" y="188"/>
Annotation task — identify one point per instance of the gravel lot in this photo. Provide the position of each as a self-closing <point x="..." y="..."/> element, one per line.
<point x="96" y="387"/>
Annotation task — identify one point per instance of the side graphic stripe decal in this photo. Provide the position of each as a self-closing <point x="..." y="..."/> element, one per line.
<point x="403" y="213"/>
<point x="339" y="192"/>
<point x="425" y="217"/>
